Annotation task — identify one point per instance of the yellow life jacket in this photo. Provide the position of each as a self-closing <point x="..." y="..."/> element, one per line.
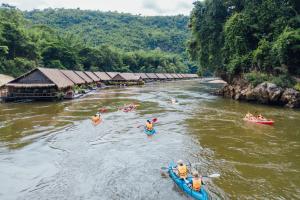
<point x="196" y="183"/>
<point x="182" y="171"/>
<point x="149" y="126"/>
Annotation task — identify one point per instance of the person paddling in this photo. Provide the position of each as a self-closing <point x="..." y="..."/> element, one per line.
<point x="249" y="115"/>
<point x="196" y="182"/>
<point x="181" y="170"/>
<point x="149" y="125"/>
<point x="96" y="118"/>
<point x="260" y="117"/>
<point x="174" y="101"/>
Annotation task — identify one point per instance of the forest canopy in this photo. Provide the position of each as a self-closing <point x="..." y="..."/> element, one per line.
<point x="250" y="38"/>
<point x="124" y="31"/>
<point x="90" y="40"/>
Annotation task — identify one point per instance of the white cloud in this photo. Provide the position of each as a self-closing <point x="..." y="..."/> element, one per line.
<point x="144" y="7"/>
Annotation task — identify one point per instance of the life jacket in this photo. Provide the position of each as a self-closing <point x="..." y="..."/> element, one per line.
<point x="149" y="126"/>
<point x="196" y="184"/>
<point x="182" y="171"/>
<point x="95" y="118"/>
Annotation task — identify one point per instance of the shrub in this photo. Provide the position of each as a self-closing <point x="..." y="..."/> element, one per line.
<point x="256" y="78"/>
<point x="261" y="56"/>
<point x="286" y="50"/>
<point x="60" y="95"/>
<point x="17" y="66"/>
<point x="297" y="87"/>
<point x="283" y="81"/>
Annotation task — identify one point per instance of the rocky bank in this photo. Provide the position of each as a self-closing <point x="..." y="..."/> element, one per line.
<point x="265" y="93"/>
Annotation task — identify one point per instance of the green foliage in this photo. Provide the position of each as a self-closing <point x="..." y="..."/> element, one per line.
<point x="207" y="39"/>
<point x="236" y="31"/>
<point x="286" y="50"/>
<point x="283" y="80"/>
<point x="90" y="40"/>
<point x="60" y="95"/>
<point x="297" y="87"/>
<point x="16" y="66"/>
<point x="262" y="36"/>
<point x="239" y="63"/>
<point x="256" y="78"/>
<point x="262" y="57"/>
<point x="124" y="31"/>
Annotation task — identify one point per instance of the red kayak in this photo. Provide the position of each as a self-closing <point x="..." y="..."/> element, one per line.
<point x="266" y="122"/>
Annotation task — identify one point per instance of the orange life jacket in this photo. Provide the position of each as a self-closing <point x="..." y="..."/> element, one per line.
<point x="196" y="183"/>
<point x="182" y="171"/>
<point x="95" y="118"/>
<point x="149" y="126"/>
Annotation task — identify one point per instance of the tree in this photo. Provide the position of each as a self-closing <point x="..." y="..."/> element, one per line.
<point x="232" y="38"/>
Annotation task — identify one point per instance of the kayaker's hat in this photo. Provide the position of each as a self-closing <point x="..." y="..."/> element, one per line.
<point x="180" y="162"/>
<point x="196" y="174"/>
<point x="148" y="120"/>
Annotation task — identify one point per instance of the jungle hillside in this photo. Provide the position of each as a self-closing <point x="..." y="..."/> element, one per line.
<point x="91" y="40"/>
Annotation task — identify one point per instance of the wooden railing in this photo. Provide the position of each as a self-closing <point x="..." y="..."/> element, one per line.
<point x="32" y="95"/>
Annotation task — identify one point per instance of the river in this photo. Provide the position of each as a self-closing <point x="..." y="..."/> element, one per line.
<point x="52" y="151"/>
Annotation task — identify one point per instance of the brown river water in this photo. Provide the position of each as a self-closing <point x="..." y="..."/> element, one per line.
<point x="52" y="151"/>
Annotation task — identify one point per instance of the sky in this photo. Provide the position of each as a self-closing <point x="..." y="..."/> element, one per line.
<point x="143" y="7"/>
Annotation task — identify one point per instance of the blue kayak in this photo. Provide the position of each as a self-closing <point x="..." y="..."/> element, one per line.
<point x="152" y="132"/>
<point x="201" y="195"/>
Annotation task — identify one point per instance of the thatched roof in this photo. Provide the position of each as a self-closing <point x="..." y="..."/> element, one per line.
<point x="142" y="75"/>
<point x="176" y="76"/>
<point x="75" y="78"/>
<point x="112" y="74"/>
<point x="103" y="76"/>
<point x="161" y="76"/>
<point x="93" y="76"/>
<point x="168" y="76"/>
<point x="180" y="75"/>
<point x="172" y="75"/>
<point x="42" y="77"/>
<point x="84" y="76"/>
<point x="152" y="76"/>
<point x="5" y="79"/>
<point x="126" y="77"/>
<point x="58" y="78"/>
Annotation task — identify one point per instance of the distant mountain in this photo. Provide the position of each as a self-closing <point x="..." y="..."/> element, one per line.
<point x="124" y="31"/>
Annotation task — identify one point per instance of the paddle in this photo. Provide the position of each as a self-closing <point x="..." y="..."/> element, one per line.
<point x="214" y="175"/>
<point x="102" y="110"/>
<point x="154" y="120"/>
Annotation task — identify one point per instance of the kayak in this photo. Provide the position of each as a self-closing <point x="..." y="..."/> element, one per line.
<point x="152" y="132"/>
<point x="201" y="195"/>
<point x="266" y="122"/>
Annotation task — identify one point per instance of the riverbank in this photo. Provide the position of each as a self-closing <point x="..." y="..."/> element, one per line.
<point x="264" y="93"/>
